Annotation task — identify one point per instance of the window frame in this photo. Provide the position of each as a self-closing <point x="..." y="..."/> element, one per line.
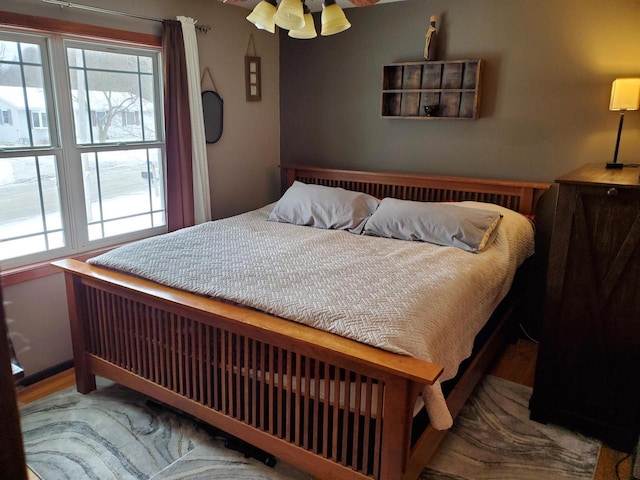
<point x="63" y="145"/>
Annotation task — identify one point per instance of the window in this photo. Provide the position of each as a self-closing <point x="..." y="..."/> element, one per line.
<point x="5" y="118"/>
<point x="82" y="164"/>
<point x="39" y="120"/>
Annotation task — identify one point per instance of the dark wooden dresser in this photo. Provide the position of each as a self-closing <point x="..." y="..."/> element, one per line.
<point x="588" y="370"/>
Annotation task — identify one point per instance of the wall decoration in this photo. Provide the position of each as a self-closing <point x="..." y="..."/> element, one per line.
<point x="212" y="110"/>
<point x="430" y="40"/>
<point x="252" y="73"/>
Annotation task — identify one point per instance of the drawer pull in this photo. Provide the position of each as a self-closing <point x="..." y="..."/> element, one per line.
<point x="612" y="192"/>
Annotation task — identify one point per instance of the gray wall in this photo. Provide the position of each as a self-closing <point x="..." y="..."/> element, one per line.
<point x="545" y="93"/>
<point x="546" y="86"/>
<point x="243" y="165"/>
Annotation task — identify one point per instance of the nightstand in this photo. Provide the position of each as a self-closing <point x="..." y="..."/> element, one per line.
<point x="588" y="368"/>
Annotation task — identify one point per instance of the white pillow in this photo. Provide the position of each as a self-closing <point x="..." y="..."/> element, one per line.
<point x="324" y="207"/>
<point x="470" y="229"/>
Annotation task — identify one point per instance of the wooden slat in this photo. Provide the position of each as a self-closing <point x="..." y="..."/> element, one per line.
<point x="218" y="379"/>
<point x="315" y="445"/>
<point x="346" y="426"/>
<point x="378" y="432"/>
<point x="272" y="420"/>
<point x="228" y="369"/>
<point x="300" y="414"/>
<point x="263" y="387"/>
<point x="307" y="402"/>
<point x="325" y="416"/>
<point x="249" y="412"/>
<point x="335" y="411"/>
<point x="287" y="398"/>
<point x="173" y="338"/>
<point x="528" y="193"/>
<point x="237" y="385"/>
<point x="356" y="423"/>
<point x="210" y="381"/>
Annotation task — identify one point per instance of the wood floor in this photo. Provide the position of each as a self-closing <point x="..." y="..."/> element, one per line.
<point x="517" y="364"/>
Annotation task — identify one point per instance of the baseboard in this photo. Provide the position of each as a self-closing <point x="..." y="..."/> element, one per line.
<point x="46" y="373"/>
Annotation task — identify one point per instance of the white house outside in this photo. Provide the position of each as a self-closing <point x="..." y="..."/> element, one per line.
<point x="115" y="117"/>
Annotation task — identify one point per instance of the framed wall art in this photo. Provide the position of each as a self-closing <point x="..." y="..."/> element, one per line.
<point x="252" y="74"/>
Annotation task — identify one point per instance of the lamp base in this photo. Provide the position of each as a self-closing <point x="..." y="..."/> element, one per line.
<point x="615" y="165"/>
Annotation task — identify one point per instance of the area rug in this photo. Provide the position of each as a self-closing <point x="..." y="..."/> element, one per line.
<point x="493" y="438"/>
<point x="114" y="433"/>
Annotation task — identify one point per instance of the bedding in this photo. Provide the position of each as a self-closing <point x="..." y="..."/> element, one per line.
<point x="471" y="229"/>
<point x="411" y="298"/>
<point x="324" y="207"/>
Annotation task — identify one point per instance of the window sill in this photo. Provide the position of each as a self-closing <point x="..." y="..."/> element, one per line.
<point x="34" y="271"/>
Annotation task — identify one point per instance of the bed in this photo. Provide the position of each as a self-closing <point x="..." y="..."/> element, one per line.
<point x="324" y="402"/>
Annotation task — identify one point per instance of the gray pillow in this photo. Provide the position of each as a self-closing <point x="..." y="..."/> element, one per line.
<point x="324" y="207"/>
<point x="470" y="229"/>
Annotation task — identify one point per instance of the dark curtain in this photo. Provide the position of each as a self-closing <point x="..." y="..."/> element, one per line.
<point x="177" y="129"/>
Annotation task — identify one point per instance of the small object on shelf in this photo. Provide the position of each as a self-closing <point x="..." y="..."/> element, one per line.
<point x="431" y="110"/>
<point x="430" y="40"/>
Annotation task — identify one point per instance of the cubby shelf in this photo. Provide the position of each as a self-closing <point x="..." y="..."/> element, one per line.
<point x="452" y="87"/>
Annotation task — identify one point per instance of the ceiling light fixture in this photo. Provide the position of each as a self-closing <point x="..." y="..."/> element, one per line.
<point x="290" y="15"/>
<point x="262" y="16"/>
<point x="309" y="29"/>
<point x="333" y="18"/>
<point x="295" y="16"/>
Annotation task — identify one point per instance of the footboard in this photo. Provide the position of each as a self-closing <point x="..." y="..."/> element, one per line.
<point x="331" y="406"/>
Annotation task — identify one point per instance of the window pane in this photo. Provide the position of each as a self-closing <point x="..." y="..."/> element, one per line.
<point x="146" y="64"/>
<point x="30" y="53"/>
<point x="29" y="206"/>
<point x="23" y="103"/>
<point x="80" y="105"/>
<point x="74" y="57"/>
<point x="111" y="61"/>
<point x="113" y="101"/>
<point x="149" y="113"/>
<point x="8" y="51"/>
<point x="113" y="95"/>
<point x="123" y="191"/>
<point x="155" y="174"/>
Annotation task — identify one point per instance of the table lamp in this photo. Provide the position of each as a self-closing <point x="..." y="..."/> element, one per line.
<point x="625" y="95"/>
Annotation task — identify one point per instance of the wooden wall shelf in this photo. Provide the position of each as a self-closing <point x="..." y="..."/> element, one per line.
<point x="453" y="86"/>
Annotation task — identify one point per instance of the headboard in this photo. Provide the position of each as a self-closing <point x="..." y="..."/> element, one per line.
<point x="515" y="195"/>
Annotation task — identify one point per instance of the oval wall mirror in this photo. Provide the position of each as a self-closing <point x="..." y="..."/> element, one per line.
<point x="212" y="111"/>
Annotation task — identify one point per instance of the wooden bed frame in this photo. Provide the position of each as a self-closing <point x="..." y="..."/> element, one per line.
<point x="270" y="381"/>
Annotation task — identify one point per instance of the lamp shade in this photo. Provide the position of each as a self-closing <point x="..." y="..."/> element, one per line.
<point x="262" y="15"/>
<point x="625" y="94"/>
<point x="333" y="19"/>
<point x="309" y="29"/>
<point x="290" y="15"/>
